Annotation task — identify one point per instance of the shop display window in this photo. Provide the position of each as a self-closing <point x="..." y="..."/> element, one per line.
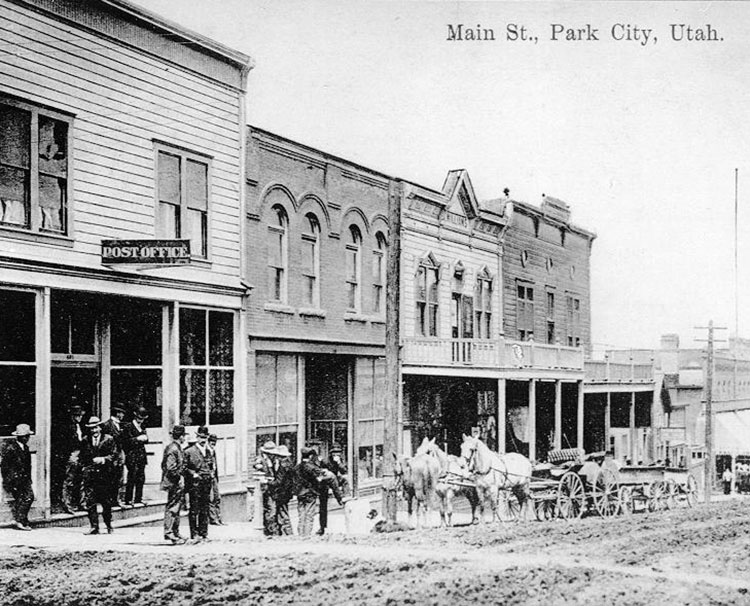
<point x="370" y="413"/>
<point x="276" y="407"/>
<point x="206" y="367"/>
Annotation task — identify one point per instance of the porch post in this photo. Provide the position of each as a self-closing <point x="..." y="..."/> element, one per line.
<point x="558" y="415"/>
<point x="532" y="419"/>
<point x="607" y="420"/>
<point x="43" y="419"/>
<point x="632" y="449"/>
<point x="579" y="418"/>
<point x="501" y="419"/>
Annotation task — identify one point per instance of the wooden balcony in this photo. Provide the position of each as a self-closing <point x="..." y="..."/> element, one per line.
<point x="489" y="353"/>
<point x="604" y="371"/>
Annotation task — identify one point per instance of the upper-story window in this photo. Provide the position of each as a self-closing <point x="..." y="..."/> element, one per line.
<point x="277" y="254"/>
<point x="427" y="299"/>
<point x="34" y="168"/>
<point x="483" y="306"/>
<point x="183" y="198"/>
<point x="573" y="305"/>
<point x="550" y="316"/>
<point x="353" y="270"/>
<point x="311" y="261"/>
<point x="378" y="274"/>
<point x="525" y="309"/>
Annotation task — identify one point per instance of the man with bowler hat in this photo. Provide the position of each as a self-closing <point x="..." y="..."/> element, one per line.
<point x="198" y="477"/>
<point x="134" y="440"/>
<point x="309" y="477"/>
<point x="98" y="455"/>
<point x="15" y="465"/>
<point x="113" y="427"/>
<point x="173" y="481"/>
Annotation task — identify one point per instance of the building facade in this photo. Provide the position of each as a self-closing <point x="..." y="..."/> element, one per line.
<point x="119" y="126"/>
<point x="317" y="238"/>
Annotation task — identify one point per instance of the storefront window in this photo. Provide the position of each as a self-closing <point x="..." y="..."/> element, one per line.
<point x="136" y="328"/>
<point x="368" y="399"/>
<point x="276" y="408"/>
<point x="17" y="360"/>
<point x="73" y="324"/>
<point x="206" y="367"/>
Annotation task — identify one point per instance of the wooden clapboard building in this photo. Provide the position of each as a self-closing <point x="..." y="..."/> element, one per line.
<point x="119" y="127"/>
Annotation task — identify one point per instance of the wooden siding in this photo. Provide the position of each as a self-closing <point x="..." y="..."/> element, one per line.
<point x="422" y="235"/>
<point x="575" y="253"/>
<point x="122" y="100"/>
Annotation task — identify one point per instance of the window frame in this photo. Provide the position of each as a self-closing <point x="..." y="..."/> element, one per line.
<point x="282" y="229"/>
<point x="525" y="309"/>
<point x="550" y="315"/>
<point x="424" y="305"/>
<point x="34" y="229"/>
<point x="379" y="260"/>
<point x="354" y="283"/>
<point x="573" y="316"/>
<point x="184" y="155"/>
<point x="312" y="236"/>
<point x="483" y="313"/>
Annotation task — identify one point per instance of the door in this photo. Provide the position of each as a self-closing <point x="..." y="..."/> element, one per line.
<point x="70" y="385"/>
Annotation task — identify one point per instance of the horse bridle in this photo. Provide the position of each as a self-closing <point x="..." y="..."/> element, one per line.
<point x="470" y="460"/>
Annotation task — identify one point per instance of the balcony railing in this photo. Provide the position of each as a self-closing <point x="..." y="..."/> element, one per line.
<point x="604" y="371"/>
<point x="489" y="353"/>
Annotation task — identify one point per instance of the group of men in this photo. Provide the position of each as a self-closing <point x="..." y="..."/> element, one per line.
<point x="310" y="480"/>
<point x="71" y="464"/>
<point x="191" y="472"/>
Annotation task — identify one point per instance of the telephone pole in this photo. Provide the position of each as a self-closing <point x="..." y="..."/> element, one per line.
<point x="392" y="349"/>
<point x="708" y="463"/>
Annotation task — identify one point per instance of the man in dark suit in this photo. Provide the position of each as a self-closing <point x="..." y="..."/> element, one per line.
<point x="134" y="440"/>
<point x="214" y="501"/>
<point x="15" y="466"/>
<point x="309" y="477"/>
<point x="98" y="455"/>
<point x="113" y="427"/>
<point x="71" y="439"/>
<point x="198" y="477"/>
<point x="173" y="481"/>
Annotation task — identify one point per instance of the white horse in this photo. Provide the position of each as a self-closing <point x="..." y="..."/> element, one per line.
<point x="455" y="480"/>
<point x="418" y="477"/>
<point x="509" y="473"/>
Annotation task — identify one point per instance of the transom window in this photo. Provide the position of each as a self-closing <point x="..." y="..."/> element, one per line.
<point x="34" y="168"/>
<point x="353" y="270"/>
<point x="183" y="180"/>
<point x="427" y="299"/>
<point x="277" y="254"/>
<point x="378" y="274"/>
<point x="483" y="307"/>
<point x="311" y="261"/>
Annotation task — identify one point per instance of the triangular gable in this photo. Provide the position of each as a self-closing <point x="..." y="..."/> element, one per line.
<point x="460" y="193"/>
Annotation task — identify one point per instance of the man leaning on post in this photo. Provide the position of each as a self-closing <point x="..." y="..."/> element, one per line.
<point x="173" y="481"/>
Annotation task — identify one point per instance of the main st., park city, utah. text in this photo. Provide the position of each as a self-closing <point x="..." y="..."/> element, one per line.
<point x="560" y="32"/>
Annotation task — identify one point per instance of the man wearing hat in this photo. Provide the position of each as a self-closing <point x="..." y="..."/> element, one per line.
<point x="309" y="476"/>
<point x="134" y="440"/>
<point x="15" y="465"/>
<point x="214" y="500"/>
<point x="266" y="465"/>
<point x="336" y="471"/>
<point x="283" y="485"/>
<point x="198" y="476"/>
<point x="71" y="438"/>
<point x="173" y="481"/>
<point x="113" y="427"/>
<point x="98" y="455"/>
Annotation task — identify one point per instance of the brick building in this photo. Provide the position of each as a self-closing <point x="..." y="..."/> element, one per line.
<point x="316" y="247"/>
<point x="118" y="125"/>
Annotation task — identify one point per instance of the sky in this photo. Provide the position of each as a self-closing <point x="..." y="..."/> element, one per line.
<point x="640" y="137"/>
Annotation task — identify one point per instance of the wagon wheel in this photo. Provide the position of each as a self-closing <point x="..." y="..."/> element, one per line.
<point x="604" y="492"/>
<point x="657" y="496"/>
<point x="512" y="507"/>
<point x="671" y="492"/>
<point x="626" y="500"/>
<point x="544" y="509"/>
<point x="691" y="491"/>
<point x="571" y="496"/>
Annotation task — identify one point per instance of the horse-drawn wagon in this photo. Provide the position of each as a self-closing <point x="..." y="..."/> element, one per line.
<point x="656" y="488"/>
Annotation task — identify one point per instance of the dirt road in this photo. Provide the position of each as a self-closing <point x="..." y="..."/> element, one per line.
<point x="698" y="556"/>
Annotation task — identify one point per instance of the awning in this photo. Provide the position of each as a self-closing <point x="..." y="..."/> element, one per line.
<point x="731" y="431"/>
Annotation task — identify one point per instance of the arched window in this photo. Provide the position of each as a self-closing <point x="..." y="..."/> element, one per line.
<point x="427" y="298"/>
<point x="483" y="305"/>
<point x="353" y="271"/>
<point x="277" y="255"/>
<point x="378" y="274"/>
<point x="311" y="261"/>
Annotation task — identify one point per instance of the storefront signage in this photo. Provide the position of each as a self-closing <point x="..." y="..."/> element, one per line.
<point x="156" y="252"/>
